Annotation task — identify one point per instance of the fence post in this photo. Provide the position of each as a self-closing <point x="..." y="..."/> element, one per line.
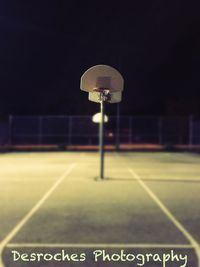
<point x="10" y="129"/>
<point x="130" y="130"/>
<point x="160" y="122"/>
<point x="190" y="130"/>
<point x="40" y="131"/>
<point x="118" y="127"/>
<point x="69" y="130"/>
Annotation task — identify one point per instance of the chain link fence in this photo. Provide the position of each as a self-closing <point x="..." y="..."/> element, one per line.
<point x="81" y="130"/>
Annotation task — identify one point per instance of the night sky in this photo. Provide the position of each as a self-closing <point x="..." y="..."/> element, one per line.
<point x="46" y="46"/>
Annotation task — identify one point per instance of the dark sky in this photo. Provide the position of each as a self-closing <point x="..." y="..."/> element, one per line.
<point x="46" y="46"/>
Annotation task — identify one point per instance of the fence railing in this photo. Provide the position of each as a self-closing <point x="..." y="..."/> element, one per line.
<point x="80" y="130"/>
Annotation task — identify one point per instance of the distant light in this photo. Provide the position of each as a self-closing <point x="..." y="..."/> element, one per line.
<point x="110" y="134"/>
<point x="96" y="118"/>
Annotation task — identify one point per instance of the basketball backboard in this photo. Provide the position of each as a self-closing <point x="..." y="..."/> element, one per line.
<point x="102" y="76"/>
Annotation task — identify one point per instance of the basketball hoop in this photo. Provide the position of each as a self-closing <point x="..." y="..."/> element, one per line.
<point x="103" y="94"/>
<point x="104" y="84"/>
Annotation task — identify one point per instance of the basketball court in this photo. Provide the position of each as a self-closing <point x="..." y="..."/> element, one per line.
<point x="148" y="203"/>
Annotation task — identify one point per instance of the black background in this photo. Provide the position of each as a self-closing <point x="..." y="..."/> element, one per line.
<point x="45" y="46"/>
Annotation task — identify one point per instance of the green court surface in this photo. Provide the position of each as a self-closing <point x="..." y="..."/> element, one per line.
<point x="54" y="212"/>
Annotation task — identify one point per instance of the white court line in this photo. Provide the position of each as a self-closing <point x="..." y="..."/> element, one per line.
<point x="182" y="229"/>
<point x="27" y="217"/>
<point x="89" y="245"/>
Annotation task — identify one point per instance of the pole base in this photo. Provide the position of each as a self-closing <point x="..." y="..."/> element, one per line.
<point x="99" y="179"/>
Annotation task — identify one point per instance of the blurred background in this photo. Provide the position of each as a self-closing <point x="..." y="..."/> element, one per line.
<point x="47" y="45"/>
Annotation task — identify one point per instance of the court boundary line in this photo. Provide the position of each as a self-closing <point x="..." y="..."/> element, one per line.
<point x="33" y="210"/>
<point x="168" y="213"/>
<point x="93" y="245"/>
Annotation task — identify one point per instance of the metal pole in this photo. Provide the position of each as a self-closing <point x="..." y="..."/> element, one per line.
<point x="118" y="127"/>
<point x="69" y="130"/>
<point x="160" y="130"/>
<point x="40" y="131"/>
<point x="130" y="130"/>
<point x="10" y="131"/>
<point x="101" y="137"/>
<point x="191" y="130"/>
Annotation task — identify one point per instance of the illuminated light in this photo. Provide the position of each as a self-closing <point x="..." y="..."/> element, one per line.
<point x="96" y="118"/>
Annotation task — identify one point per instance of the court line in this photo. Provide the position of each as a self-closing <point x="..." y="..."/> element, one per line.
<point x="91" y="245"/>
<point x="27" y="217"/>
<point x="181" y="228"/>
